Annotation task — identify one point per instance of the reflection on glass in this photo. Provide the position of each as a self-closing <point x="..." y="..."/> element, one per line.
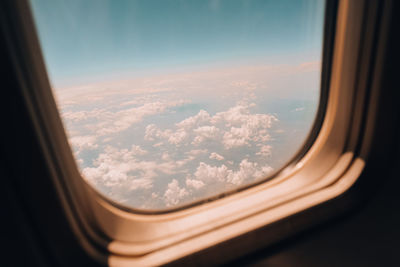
<point x="169" y="102"/>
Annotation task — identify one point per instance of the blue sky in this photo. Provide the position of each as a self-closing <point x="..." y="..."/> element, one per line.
<point x="169" y="102"/>
<point x="97" y="38"/>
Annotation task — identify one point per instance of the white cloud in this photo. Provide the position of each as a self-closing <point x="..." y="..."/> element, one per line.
<point x="203" y="133"/>
<point x="181" y="163"/>
<point x="235" y="127"/>
<point x="122" y="120"/>
<point x="216" y="156"/>
<point x="77" y="116"/>
<point x="177" y="137"/>
<point x="196" y="184"/>
<point x="158" y="144"/>
<point x="121" y="168"/>
<point x="298" y="109"/>
<point x="207" y="151"/>
<point x="81" y="143"/>
<point x="265" y="150"/>
<point x="248" y="170"/>
<point x="107" y="122"/>
<point x="191" y="122"/>
<point x="178" y="152"/>
<point x="137" y="150"/>
<point x="140" y="183"/>
<point x="236" y="137"/>
<point x="165" y="156"/>
<point x="124" y="170"/>
<point x="174" y="194"/>
<point x="209" y="174"/>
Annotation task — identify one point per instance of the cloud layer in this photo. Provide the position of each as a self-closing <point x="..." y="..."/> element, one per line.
<point x="196" y="156"/>
<point x="155" y="144"/>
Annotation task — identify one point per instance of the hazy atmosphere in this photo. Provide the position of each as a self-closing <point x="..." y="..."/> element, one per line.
<point x="170" y="102"/>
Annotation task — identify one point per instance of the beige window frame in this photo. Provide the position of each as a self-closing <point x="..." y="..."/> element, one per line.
<point x="332" y="164"/>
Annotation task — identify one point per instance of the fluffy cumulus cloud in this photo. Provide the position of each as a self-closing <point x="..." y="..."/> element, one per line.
<point x="216" y="156"/>
<point x="174" y="193"/>
<point x="174" y="164"/>
<point x="120" y="168"/>
<point x="81" y="143"/>
<point x="103" y="122"/>
<point x="233" y="128"/>
<point x="265" y="150"/>
<point x="165" y="142"/>
<point x="196" y="184"/>
<point x="207" y="174"/>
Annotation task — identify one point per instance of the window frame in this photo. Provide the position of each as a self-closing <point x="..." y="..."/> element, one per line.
<point x="329" y="168"/>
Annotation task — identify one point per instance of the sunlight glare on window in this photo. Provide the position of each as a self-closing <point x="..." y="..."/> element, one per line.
<point x="166" y="103"/>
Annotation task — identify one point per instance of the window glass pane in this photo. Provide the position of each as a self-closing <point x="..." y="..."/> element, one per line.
<point x="166" y="103"/>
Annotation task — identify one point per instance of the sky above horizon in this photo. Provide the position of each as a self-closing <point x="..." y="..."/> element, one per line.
<point x="94" y="38"/>
<point x="170" y="102"/>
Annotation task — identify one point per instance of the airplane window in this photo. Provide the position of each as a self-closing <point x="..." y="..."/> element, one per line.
<point x="169" y="103"/>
